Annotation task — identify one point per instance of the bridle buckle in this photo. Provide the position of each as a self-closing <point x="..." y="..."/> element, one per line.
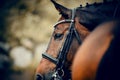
<point x="58" y="74"/>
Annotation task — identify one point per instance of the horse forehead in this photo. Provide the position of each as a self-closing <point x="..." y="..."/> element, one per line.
<point x="61" y="28"/>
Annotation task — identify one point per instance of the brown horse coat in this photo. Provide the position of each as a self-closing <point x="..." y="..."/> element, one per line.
<point x="90" y="53"/>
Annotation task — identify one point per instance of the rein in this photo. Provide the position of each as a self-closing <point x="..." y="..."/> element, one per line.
<point x="60" y="60"/>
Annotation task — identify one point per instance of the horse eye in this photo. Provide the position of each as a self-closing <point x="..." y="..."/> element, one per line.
<point x="58" y="36"/>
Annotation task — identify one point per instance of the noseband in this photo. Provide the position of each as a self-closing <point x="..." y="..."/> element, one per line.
<point x="60" y="60"/>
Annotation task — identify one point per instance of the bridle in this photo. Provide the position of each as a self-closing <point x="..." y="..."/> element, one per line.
<point x="60" y="60"/>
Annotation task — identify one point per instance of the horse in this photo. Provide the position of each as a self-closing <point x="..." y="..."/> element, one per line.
<point x="69" y="32"/>
<point x="98" y="56"/>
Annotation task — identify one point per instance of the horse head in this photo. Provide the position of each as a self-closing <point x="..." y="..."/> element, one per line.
<point x="67" y="36"/>
<point x="69" y="32"/>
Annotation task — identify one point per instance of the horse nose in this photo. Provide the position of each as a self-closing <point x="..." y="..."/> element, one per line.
<point x="39" y="77"/>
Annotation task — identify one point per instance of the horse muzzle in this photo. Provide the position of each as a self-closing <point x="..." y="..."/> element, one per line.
<point x="39" y="77"/>
<point x="47" y="76"/>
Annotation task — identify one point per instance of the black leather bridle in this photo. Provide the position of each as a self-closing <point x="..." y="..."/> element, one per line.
<point x="60" y="60"/>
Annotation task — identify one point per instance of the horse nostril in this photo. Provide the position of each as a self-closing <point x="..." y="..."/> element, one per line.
<point x="39" y="77"/>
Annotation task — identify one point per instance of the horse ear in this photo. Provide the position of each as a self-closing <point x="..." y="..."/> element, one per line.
<point x="65" y="12"/>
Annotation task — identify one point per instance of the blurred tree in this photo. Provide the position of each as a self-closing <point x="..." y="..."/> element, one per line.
<point x="5" y="60"/>
<point x="5" y="6"/>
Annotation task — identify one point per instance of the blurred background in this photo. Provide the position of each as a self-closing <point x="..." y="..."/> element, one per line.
<point x="25" y="30"/>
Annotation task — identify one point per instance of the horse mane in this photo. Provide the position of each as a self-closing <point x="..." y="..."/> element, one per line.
<point x="94" y="14"/>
